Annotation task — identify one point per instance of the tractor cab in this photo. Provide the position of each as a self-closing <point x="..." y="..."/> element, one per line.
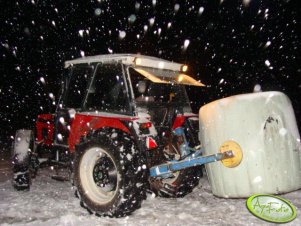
<point x="128" y="85"/>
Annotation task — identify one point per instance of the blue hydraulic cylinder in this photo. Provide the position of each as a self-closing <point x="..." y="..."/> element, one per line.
<point x="170" y="167"/>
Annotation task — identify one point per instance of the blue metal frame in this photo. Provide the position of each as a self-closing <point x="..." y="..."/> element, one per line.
<point x="166" y="169"/>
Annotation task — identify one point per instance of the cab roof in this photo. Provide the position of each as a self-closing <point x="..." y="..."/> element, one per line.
<point x="155" y="69"/>
<point x="128" y="59"/>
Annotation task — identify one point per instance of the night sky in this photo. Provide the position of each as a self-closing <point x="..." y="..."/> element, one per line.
<point x="233" y="47"/>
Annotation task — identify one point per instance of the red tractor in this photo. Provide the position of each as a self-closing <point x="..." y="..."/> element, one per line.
<point x="123" y="125"/>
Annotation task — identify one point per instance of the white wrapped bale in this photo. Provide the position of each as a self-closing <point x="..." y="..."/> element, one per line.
<point x="264" y="125"/>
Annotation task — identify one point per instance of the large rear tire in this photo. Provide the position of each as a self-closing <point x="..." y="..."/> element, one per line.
<point x="182" y="182"/>
<point x="110" y="174"/>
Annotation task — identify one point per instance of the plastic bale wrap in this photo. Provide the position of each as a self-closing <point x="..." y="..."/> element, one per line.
<point x="264" y="125"/>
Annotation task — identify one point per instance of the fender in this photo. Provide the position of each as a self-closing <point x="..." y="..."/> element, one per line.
<point x="84" y="123"/>
<point x="45" y="129"/>
<point x="180" y="119"/>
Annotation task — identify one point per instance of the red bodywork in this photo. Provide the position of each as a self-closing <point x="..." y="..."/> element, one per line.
<point x="82" y="124"/>
<point x="45" y="128"/>
<point x="180" y="119"/>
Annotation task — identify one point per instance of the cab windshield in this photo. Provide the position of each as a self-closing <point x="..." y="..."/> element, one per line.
<point x="148" y="91"/>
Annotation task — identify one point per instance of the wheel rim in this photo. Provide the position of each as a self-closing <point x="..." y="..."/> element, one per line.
<point x="98" y="175"/>
<point x="104" y="174"/>
<point x="176" y="175"/>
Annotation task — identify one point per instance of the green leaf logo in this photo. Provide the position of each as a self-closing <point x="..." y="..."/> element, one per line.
<point x="271" y="208"/>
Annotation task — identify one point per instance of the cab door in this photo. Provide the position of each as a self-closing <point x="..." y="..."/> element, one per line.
<point x="74" y="91"/>
<point x="108" y="91"/>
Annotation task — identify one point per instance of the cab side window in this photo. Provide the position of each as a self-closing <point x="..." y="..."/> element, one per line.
<point x="107" y="90"/>
<point x="77" y="86"/>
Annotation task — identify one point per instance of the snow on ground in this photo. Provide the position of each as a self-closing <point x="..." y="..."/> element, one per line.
<point x="51" y="202"/>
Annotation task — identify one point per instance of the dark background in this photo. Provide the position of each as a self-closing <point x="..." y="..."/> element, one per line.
<point x="230" y="44"/>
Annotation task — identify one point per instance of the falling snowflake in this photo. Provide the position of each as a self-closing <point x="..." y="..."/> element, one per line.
<point x="161" y="64"/>
<point x="97" y="11"/>
<point x="151" y="21"/>
<point x="82" y="53"/>
<point x="132" y="18"/>
<point x="257" y="180"/>
<point x="246" y="2"/>
<point x="159" y="31"/>
<point x="137" y="5"/>
<point x="60" y="137"/>
<point x="257" y="88"/>
<point x="177" y="7"/>
<point x="42" y="80"/>
<point x="267" y="44"/>
<point x="145" y="28"/>
<point x="110" y="50"/>
<point x="201" y="10"/>
<point x="267" y="63"/>
<point x="62" y="120"/>
<point x="51" y="96"/>
<point x="81" y="33"/>
<point x="154" y="2"/>
<point x="186" y="44"/>
<point x="283" y="131"/>
<point x="122" y="34"/>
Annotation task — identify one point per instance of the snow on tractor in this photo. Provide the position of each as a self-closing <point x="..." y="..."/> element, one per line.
<point x="123" y="126"/>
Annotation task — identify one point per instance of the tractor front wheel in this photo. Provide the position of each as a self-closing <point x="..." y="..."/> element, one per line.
<point x="24" y="168"/>
<point x="110" y="174"/>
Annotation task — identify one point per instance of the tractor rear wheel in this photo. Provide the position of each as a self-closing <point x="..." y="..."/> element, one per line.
<point x="181" y="182"/>
<point x="179" y="185"/>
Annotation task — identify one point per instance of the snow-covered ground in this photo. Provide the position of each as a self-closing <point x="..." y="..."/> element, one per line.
<point x="50" y="202"/>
